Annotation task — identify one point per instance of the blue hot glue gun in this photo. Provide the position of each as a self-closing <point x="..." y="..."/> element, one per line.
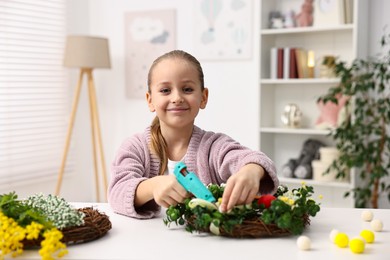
<point x="192" y="183"/>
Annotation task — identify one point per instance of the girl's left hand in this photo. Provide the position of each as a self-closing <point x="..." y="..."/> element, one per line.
<point x="242" y="187"/>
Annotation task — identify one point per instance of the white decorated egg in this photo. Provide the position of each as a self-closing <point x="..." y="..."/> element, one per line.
<point x="333" y="234"/>
<point x="376" y="225"/>
<point x="304" y="243"/>
<point x="367" y="215"/>
<point x="202" y="203"/>
<point x="214" y="229"/>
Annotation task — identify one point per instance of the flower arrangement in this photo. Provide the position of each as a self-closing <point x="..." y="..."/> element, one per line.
<point x="284" y="213"/>
<point x="38" y="218"/>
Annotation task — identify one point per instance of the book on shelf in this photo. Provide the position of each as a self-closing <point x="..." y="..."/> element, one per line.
<point x="293" y="74"/>
<point x="280" y="63"/>
<point x="301" y="56"/>
<point x="348" y="11"/>
<point x="273" y="63"/>
<point x="288" y="63"/>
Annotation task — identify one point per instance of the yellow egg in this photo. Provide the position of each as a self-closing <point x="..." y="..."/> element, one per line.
<point x="368" y="235"/>
<point x="357" y="245"/>
<point x="341" y="240"/>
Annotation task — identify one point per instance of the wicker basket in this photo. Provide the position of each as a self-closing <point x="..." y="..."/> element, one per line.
<point x="96" y="225"/>
<point x="254" y="228"/>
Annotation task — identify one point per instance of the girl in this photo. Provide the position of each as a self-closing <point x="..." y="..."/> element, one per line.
<point x="142" y="178"/>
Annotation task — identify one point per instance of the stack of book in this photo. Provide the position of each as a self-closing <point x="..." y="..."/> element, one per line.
<point x="289" y="63"/>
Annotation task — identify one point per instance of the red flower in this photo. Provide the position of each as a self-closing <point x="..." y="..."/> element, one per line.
<point x="266" y="200"/>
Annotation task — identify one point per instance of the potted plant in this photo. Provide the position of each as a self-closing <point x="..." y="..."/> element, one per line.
<point x="363" y="137"/>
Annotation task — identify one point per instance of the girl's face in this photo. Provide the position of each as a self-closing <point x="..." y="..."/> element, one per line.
<point x="175" y="93"/>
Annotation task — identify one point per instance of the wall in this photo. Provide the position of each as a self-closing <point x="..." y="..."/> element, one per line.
<point x="379" y="25"/>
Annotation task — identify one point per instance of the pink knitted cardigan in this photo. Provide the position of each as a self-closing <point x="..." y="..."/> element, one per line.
<point x="214" y="157"/>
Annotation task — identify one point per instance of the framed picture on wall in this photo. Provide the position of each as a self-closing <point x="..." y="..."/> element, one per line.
<point x="148" y="34"/>
<point x="223" y="29"/>
<point x="328" y="13"/>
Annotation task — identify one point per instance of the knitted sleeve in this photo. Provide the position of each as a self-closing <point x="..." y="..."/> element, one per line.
<point x="227" y="156"/>
<point x="131" y="165"/>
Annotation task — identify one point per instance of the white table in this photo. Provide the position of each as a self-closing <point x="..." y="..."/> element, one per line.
<point x="151" y="239"/>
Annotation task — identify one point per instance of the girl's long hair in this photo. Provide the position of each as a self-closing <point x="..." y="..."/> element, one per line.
<point x="157" y="143"/>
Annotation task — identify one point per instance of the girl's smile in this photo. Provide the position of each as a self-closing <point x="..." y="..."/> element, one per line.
<point x="177" y="110"/>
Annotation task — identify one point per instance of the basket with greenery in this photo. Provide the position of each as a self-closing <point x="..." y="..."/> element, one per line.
<point x="284" y="213"/>
<point x="48" y="222"/>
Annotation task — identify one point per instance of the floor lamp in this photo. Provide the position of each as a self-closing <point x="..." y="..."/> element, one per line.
<point x="86" y="53"/>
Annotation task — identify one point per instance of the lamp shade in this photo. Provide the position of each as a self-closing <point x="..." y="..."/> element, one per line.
<point x="86" y="52"/>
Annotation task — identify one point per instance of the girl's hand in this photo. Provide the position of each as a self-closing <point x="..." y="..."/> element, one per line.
<point x="167" y="191"/>
<point x="242" y="187"/>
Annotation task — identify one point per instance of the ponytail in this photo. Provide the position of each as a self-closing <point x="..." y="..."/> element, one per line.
<point x="158" y="145"/>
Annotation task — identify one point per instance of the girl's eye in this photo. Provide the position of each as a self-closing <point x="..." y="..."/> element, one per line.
<point x="165" y="90"/>
<point x="188" y="90"/>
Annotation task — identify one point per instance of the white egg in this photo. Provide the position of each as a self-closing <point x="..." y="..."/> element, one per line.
<point x="367" y="215"/>
<point x="203" y="203"/>
<point x="214" y="229"/>
<point x="333" y="234"/>
<point x="304" y="243"/>
<point x="376" y="225"/>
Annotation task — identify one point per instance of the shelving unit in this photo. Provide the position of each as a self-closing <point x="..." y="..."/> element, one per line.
<point x="346" y="41"/>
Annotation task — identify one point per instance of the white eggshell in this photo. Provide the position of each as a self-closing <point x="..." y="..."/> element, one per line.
<point x="367" y="215"/>
<point x="304" y="243"/>
<point x="203" y="203"/>
<point x="333" y="234"/>
<point x="214" y="229"/>
<point x="376" y="225"/>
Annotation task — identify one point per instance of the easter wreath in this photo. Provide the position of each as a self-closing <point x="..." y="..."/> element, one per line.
<point x="46" y="221"/>
<point x="282" y="214"/>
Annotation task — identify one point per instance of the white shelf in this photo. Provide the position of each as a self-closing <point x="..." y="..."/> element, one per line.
<point x="301" y="81"/>
<point x="302" y="131"/>
<point x="297" y="30"/>
<point x="343" y="185"/>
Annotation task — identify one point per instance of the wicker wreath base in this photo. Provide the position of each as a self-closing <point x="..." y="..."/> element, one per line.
<point x="255" y="228"/>
<point x="96" y="225"/>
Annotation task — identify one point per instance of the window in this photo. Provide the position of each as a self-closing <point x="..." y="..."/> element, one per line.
<point x="33" y="89"/>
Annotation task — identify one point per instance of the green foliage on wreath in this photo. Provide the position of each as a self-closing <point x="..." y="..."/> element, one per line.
<point x="287" y="211"/>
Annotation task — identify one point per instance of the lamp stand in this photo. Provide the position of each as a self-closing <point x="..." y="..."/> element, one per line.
<point x="97" y="145"/>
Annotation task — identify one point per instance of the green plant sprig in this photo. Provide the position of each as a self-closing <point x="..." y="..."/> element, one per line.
<point x="20" y="212"/>
<point x="291" y="217"/>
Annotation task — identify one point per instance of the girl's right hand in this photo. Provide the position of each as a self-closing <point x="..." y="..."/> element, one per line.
<point x="168" y="191"/>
